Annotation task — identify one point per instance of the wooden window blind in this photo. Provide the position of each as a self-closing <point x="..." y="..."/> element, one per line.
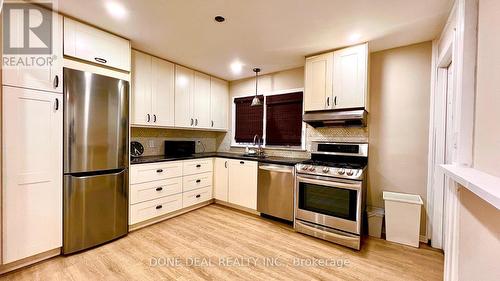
<point x="284" y="119"/>
<point x="248" y="119"/>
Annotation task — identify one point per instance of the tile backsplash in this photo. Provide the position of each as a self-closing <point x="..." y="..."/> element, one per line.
<point x="152" y="139"/>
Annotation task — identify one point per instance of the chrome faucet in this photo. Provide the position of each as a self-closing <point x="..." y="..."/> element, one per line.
<point x="257" y="141"/>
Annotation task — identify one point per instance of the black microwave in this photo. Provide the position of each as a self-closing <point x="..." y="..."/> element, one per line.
<point x="179" y="148"/>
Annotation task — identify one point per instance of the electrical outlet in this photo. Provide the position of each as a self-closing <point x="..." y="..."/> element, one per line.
<point x="198" y="142"/>
<point x="151" y="143"/>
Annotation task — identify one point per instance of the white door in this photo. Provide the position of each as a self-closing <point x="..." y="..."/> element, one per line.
<point x="221" y="178"/>
<point x="318" y="82"/>
<point x="141" y="89"/>
<point x="162" y="92"/>
<point x="219" y="97"/>
<point x="243" y="183"/>
<point x="32" y="172"/>
<point x="350" y="77"/>
<point x="49" y="76"/>
<point x="183" y="96"/>
<point x="201" y="100"/>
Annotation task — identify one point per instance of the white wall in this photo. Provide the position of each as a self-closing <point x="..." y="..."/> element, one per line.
<point x="399" y="122"/>
<point x="479" y="223"/>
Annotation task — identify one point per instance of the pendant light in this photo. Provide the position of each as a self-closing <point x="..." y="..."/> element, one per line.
<point x="256" y="101"/>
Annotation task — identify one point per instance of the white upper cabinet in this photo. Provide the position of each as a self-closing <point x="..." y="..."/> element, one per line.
<point x="350" y="77"/>
<point x="184" y="96"/>
<point x="141" y="89"/>
<point x="162" y="92"/>
<point x="318" y="82"/>
<point x="152" y="91"/>
<point x="219" y="97"/>
<point x="47" y="77"/>
<point x="201" y="100"/>
<point x="94" y="45"/>
<point x="32" y="129"/>
<point x="337" y="80"/>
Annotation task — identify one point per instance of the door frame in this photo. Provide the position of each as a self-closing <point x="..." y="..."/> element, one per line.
<point x="458" y="44"/>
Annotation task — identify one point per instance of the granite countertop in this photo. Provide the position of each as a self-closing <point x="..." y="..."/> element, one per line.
<point x="269" y="159"/>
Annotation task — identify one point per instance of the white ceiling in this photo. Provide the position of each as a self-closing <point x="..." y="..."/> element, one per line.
<point x="271" y="34"/>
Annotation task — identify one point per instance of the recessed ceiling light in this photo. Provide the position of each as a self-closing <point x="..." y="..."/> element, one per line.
<point x="116" y="10"/>
<point x="236" y="67"/>
<point x="219" y="19"/>
<point x="354" y="37"/>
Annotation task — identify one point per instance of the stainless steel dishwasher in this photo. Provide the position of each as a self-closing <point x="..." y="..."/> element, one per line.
<point x="275" y="190"/>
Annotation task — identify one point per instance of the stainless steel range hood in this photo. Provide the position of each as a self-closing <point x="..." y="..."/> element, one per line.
<point x="336" y="118"/>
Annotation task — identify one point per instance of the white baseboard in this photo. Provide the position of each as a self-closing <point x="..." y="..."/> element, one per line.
<point x="423" y="239"/>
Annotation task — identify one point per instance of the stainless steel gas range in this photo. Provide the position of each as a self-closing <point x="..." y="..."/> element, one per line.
<point x="330" y="192"/>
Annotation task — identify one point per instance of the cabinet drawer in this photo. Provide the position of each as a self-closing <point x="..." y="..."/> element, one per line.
<point x="196" y="196"/>
<point x="155" y="189"/>
<point x="198" y="166"/>
<point x="196" y="181"/>
<point x="156" y="171"/>
<point x="150" y="209"/>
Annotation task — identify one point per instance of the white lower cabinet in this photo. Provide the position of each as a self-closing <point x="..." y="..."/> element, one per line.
<point x="153" y="208"/>
<point x="161" y="188"/>
<point x="196" y="196"/>
<point x="32" y="129"/>
<point x="221" y="177"/>
<point x="235" y="181"/>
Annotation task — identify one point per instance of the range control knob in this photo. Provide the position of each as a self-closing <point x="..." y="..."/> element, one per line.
<point x="304" y="167"/>
<point x="312" y="168"/>
<point x="341" y="171"/>
<point x="350" y="172"/>
<point x="326" y="170"/>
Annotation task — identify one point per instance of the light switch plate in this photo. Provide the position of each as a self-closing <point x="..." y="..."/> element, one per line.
<point x="151" y="143"/>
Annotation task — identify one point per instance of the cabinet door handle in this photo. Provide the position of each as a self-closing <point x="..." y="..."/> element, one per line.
<point x="159" y="207"/>
<point x="328" y="101"/>
<point x="198" y="181"/>
<point x="149" y="117"/>
<point x="198" y="196"/>
<point x="212" y="123"/>
<point x="335" y="100"/>
<point x="198" y="166"/>
<point x="225" y="164"/>
<point x="56" y="104"/>
<point x="242" y="162"/>
<point x="154" y="118"/>
<point x="101" y="60"/>
<point x="196" y="122"/>
<point x="56" y="81"/>
<point x="159" y="188"/>
<point x="192" y="121"/>
<point x="159" y="171"/>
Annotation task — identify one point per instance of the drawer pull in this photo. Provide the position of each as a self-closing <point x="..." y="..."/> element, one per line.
<point x="198" y="181"/>
<point x="198" y="196"/>
<point x="159" y="188"/>
<point x="198" y="166"/>
<point x="159" y="171"/>
<point x="242" y="162"/>
<point x="101" y="60"/>
<point x="159" y="207"/>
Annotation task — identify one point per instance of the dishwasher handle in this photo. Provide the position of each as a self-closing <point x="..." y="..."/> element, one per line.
<point x="277" y="168"/>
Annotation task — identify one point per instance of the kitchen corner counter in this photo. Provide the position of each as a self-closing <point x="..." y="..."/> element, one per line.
<point x="270" y="159"/>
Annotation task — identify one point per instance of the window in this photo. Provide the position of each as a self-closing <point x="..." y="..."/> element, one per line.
<point x="248" y="119"/>
<point x="279" y="120"/>
<point x="284" y="119"/>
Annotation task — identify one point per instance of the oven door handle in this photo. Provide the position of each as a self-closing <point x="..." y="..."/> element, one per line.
<point x="353" y="186"/>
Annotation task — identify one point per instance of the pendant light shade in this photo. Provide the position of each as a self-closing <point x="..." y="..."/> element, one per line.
<point x="256" y="101"/>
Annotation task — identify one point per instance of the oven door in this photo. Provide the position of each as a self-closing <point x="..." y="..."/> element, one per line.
<point x="334" y="203"/>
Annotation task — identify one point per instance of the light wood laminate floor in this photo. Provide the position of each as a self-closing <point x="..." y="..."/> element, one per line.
<point x="219" y="235"/>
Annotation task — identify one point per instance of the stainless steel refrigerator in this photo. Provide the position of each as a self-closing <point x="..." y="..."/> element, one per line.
<point x="95" y="207"/>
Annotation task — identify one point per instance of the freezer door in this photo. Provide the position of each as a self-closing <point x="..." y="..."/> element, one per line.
<point x="95" y="210"/>
<point x="96" y="110"/>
